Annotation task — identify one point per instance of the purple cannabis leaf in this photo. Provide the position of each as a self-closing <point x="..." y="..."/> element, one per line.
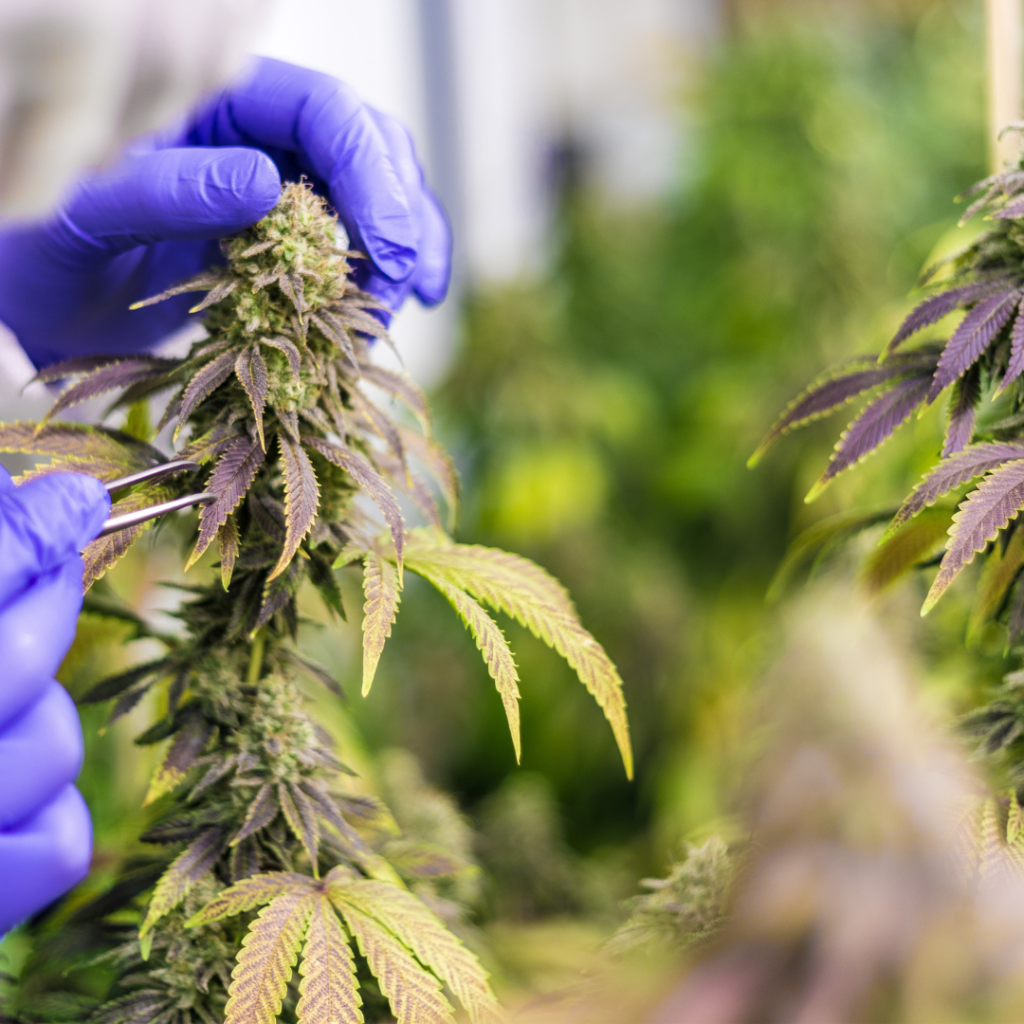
<point x="109" y="377"/>
<point x="204" y="383"/>
<point x="1016" y="364"/>
<point x="251" y="372"/>
<point x="963" y="409"/>
<point x="987" y="510"/>
<point x="301" y="499"/>
<point x="230" y="480"/>
<point x="954" y="471"/>
<point x="873" y="426"/>
<point x="936" y="307"/>
<point x="972" y="337"/>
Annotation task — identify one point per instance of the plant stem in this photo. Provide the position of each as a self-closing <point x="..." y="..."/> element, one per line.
<point x="256" y="658"/>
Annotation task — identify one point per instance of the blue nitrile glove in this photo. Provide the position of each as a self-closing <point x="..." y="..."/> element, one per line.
<point x="130" y="231"/>
<point x="45" y="831"/>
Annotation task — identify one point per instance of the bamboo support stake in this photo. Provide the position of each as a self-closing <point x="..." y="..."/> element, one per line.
<point x="1004" y="37"/>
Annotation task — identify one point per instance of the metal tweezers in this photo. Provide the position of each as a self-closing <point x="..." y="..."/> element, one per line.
<point x="143" y="515"/>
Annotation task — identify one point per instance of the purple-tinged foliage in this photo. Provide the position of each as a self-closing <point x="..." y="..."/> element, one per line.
<point x="1015" y="366"/>
<point x="841" y="385"/>
<point x="110" y="376"/>
<point x="972" y="337"/>
<point x="936" y="307"/>
<point x="952" y="473"/>
<point x="987" y="510"/>
<point x="204" y="383"/>
<point x="963" y="411"/>
<point x="873" y="426"/>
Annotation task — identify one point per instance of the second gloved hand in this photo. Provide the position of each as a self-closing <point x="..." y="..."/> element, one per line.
<point x="130" y="231"/>
<point x="45" y="831"/>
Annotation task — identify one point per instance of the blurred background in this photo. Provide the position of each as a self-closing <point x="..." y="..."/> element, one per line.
<point x="670" y="216"/>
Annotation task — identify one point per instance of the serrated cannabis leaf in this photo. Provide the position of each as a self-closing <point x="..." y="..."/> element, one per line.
<point x="952" y="472"/>
<point x="184" y="871"/>
<point x="328" y="993"/>
<point x="987" y="510"/>
<point x="521" y="589"/>
<point x="491" y="643"/>
<point x="434" y="946"/>
<point x="382" y="592"/>
<point x="249" y="893"/>
<point x="302" y="497"/>
<point x="414" y="994"/>
<point x="251" y="372"/>
<point x="204" y="383"/>
<point x="963" y="409"/>
<point x="267" y="958"/>
<point x="230" y="481"/>
<point x="873" y="426"/>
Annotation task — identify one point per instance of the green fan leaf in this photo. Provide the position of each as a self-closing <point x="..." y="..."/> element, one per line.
<point x="914" y="543"/>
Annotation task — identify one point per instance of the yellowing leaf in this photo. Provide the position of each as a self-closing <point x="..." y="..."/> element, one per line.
<point x="898" y="553"/>
<point x="519" y="588"/>
<point x="434" y="945"/>
<point x="301" y="498"/>
<point x="229" y="540"/>
<point x="251" y="892"/>
<point x="381" y="588"/>
<point x="267" y="958"/>
<point x="490" y="641"/>
<point x="414" y="994"/>
<point x="328" y="993"/>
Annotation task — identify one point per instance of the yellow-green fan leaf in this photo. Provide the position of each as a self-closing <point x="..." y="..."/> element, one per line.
<point x="414" y="994"/>
<point x="381" y="589"/>
<point x="266" y="960"/>
<point x="328" y="992"/>
<point x="519" y="588"/>
<point x="490" y="641"/>
<point x="434" y="945"/>
<point x="1001" y="569"/>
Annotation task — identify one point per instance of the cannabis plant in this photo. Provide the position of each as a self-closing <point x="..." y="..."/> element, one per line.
<point x="981" y="464"/>
<point x="266" y="858"/>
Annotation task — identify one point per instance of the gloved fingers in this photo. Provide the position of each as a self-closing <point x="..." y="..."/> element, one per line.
<point x="40" y="753"/>
<point x="6" y="482"/>
<point x="434" y="270"/>
<point x="44" y="856"/>
<point x="36" y="630"/>
<point x="429" y="281"/>
<point x="284" y="107"/>
<point x="45" y="523"/>
<point x="183" y="194"/>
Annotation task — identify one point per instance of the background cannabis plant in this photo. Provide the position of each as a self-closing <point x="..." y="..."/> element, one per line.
<point x="267" y="856"/>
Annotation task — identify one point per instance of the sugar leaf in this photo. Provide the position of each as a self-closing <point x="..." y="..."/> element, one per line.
<point x="251" y="371"/>
<point x="301" y="498"/>
<point x="184" y="871"/>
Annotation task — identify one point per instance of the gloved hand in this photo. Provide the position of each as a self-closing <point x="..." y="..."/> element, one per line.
<point x="128" y="232"/>
<point x="45" y="831"/>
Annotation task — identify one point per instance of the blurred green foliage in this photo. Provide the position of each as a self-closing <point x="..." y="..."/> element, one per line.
<point x="602" y="417"/>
